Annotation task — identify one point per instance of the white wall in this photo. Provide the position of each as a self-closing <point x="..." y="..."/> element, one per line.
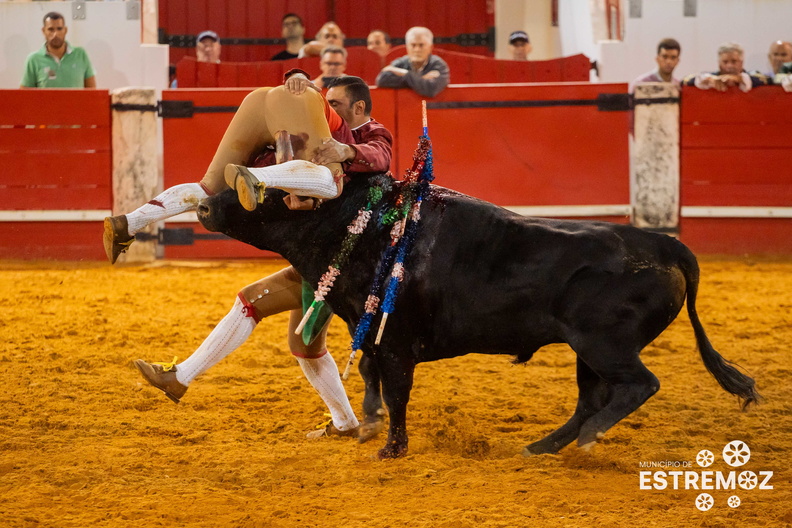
<point x="754" y="24"/>
<point x="576" y="28"/>
<point x="111" y="41"/>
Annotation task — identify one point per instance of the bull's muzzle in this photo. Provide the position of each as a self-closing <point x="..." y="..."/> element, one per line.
<point x="204" y="212"/>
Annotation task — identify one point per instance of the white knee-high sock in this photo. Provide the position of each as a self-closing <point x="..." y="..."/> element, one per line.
<point x="323" y="375"/>
<point x="170" y="202"/>
<point x="298" y="177"/>
<point x="226" y="337"/>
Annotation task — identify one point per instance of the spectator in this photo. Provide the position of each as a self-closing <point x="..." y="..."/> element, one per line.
<point x="519" y="45"/>
<point x="333" y="64"/>
<point x="328" y="35"/>
<point x="780" y="52"/>
<point x="293" y="31"/>
<point x="730" y="72"/>
<point x="172" y="82"/>
<point x="667" y="58"/>
<point x="57" y="64"/>
<point x="379" y="42"/>
<point x="425" y="73"/>
<point x="784" y="76"/>
<point x="207" y="47"/>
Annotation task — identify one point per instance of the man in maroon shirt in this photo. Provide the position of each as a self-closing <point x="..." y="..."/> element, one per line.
<point x="282" y="291"/>
<point x="351" y="99"/>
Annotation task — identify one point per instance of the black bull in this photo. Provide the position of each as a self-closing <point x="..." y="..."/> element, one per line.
<point x="482" y="279"/>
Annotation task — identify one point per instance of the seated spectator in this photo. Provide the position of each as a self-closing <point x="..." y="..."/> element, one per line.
<point x="667" y="58"/>
<point x="425" y="73"/>
<point x="519" y="45"/>
<point x="379" y="42"/>
<point x="332" y="64"/>
<point x="172" y="82"/>
<point x="207" y="47"/>
<point x="329" y="35"/>
<point x="730" y="72"/>
<point x="57" y="64"/>
<point x="784" y="76"/>
<point x="780" y="52"/>
<point x="293" y="31"/>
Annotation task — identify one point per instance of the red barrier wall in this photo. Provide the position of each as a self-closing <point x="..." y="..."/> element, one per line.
<point x="563" y="152"/>
<point x="736" y="151"/>
<point x="515" y="145"/>
<point x="465" y="68"/>
<point x="54" y="156"/>
<point x="559" y="154"/>
<point x="189" y="145"/>
<point x="468" y="68"/>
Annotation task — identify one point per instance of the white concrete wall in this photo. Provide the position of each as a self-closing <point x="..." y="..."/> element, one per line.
<point x="754" y="24"/>
<point x="577" y="28"/>
<point x="113" y="43"/>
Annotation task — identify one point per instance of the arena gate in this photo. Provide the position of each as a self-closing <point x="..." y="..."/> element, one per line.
<point x="55" y="173"/>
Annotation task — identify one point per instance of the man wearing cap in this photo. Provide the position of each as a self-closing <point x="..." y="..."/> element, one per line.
<point x="207" y="47"/>
<point x="519" y="45"/>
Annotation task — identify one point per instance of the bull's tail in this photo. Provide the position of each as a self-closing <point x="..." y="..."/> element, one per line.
<point x="728" y="376"/>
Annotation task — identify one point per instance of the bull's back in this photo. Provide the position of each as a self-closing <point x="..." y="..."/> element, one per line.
<point x="487" y="278"/>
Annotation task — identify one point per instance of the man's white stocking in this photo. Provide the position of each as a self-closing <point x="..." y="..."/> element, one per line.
<point x="298" y="177"/>
<point x="227" y="336"/>
<point x="322" y="372"/>
<point x="170" y="202"/>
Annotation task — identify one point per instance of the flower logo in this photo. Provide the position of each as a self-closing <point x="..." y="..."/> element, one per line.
<point x="733" y="501"/>
<point x="736" y="453"/>
<point x="704" y="501"/>
<point x="705" y="458"/>
<point x="747" y="480"/>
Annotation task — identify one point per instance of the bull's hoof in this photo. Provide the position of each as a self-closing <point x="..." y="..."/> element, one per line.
<point x="392" y="451"/>
<point x="586" y="442"/>
<point x="539" y="448"/>
<point x="369" y="430"/>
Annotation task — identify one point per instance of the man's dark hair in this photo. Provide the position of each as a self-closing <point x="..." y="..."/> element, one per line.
<point x="54" y="15"/>
<point x="356" y="89"/>
<point x="384" y="35"/>
<point x="290" y="15"/>
<point x="668" y="44"/>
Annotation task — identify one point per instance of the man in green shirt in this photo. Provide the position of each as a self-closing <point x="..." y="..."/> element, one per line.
<point x="58" y="64"/>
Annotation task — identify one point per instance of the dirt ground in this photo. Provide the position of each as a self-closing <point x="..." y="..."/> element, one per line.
<point x="85" y="442"/>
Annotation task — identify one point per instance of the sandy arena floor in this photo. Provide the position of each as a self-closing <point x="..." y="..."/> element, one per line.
<point x="85" y="442"/>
